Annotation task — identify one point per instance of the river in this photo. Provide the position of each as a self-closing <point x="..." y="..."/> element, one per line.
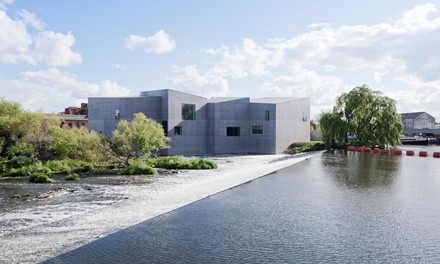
<point x="338" y="207"/>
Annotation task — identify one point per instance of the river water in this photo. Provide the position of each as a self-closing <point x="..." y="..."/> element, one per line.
<point x="339" y="207"/>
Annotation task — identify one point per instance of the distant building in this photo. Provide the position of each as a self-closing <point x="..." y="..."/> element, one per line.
<point x="73" y="110"/>
<point x="418" y="120"/>
<point x="70" y="121"/>
<point x="197" y="125"/>
<point x="74" y="116"/>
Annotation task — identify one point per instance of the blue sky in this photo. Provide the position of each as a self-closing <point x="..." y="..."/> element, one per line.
<point x="55" y="54"/>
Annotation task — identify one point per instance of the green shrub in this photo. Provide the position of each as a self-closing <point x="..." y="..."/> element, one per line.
<point x="28" y="170"/>
<point x="72" y="177"/>
<point x="19" y="161"/>
<point x="182" y="163"/>
<point x="137" y="167"/>
<point x="298" y="147"/>
<point x="40" y="178"/>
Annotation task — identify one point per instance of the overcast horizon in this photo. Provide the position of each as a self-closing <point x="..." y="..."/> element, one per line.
<point x="55" y="54"/>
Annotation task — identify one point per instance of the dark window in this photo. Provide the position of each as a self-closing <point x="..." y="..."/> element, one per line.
<point x="165" y="127"/>
<point x="233" y="131"/>
<point x="304" y="117"/>
<point x="257" y="129"/>
<point x="178" y="130"/>
<point x="266" y="116"/>
<point x="117" y="114"/>
<point x="69" y="124"/>
<point x="188" y="111"/>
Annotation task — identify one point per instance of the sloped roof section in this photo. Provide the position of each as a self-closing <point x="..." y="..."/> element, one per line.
<point x="411" y="115"/>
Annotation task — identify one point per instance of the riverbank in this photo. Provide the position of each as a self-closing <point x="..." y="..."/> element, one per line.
<point x="61" y="223"/>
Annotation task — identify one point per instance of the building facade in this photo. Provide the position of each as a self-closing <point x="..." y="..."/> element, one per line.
<point x="197" y="125"/>
<point x="418" y="120"/>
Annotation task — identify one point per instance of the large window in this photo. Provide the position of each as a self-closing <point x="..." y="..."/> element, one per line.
<point x="178" y="130"/>
<point x="257" y="129"/>
<point x="188" y="111"/>
<point x="266" y="116"/>
<point x="233" y="131"/>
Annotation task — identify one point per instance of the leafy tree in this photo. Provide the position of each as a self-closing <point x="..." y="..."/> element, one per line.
<point x="78" y="143"/>
<point x="15" y="125"/>
<point x="366" y="114"/>
<point x="138" y="138"/>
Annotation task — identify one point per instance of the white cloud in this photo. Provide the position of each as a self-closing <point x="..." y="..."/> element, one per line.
<point x="44" y="47"/>
<point x="14" y="40"/>
<point x="54" y="90"/>
<point x="4" y="4"/>
<point x="159" y="43"/>
<point x="54" y="49"/>
<point x="320" y="62"/>
<point x="189" y="79"/>
<point x="239" y="62"/>
<point x="31" y="19"/>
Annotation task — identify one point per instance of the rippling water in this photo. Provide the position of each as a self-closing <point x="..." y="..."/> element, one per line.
<point x="339" y="207"/>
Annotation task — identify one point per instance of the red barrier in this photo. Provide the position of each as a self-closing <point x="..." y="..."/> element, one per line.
<point x="376" y="150"/>
<point x="436" y="154"/>
<point x="360" y="149"/>
<point x="398" y="152"/>
<point x="423" y="154"/>
<point x="368" y="150"/>
<point x="410" y="152"/>
<point x="386" y="151"/>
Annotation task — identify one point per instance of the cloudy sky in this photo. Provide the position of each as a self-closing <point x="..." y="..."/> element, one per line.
<point x="55" y="54"/>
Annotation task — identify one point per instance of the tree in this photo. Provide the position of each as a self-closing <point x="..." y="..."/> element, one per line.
<point x="15" y="125"/>
<point x="366" y="114"/>
<point x="78" y="143"/>
<point x="138" y="138"/>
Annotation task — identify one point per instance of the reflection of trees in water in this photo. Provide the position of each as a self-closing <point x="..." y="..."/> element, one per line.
<point x="363" y="170"/>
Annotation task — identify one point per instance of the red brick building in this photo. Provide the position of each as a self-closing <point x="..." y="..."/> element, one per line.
<point x="74" y="116"/>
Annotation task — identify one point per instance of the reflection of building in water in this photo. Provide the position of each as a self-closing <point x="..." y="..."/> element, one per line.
<point x="198" y="125"/>
<point x="418" y="120"/>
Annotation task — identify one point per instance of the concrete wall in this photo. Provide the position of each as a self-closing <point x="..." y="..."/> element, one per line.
<point x="262" y="143"/>
<point x="208" y="132"/>
<point x="102" y="111"/>
<point x="228" y="113"/>
<point x="292" y="123"/>
<point x="194" y="132"/>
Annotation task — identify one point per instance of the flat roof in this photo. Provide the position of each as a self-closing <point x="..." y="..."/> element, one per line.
<point x="275" y="100"/>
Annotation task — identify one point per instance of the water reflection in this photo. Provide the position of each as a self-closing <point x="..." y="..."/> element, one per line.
<point x="361" y="170"/>
<point x="302" y="214"/>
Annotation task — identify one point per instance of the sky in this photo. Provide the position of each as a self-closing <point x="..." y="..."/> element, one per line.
<point x="55" y="54"/>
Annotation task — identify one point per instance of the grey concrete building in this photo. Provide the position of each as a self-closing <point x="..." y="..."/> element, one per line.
<point x="197" y="125"/>
<point x="418" y="120"/>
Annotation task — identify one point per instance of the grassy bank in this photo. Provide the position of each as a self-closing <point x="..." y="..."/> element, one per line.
<point x="40" y="172"/>
<point x="298" y="147"/>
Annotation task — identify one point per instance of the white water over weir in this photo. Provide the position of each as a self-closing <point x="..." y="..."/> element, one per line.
<point x="50" y="228"/>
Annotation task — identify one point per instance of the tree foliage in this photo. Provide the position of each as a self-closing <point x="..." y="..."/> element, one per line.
<point x="366" y="114"/>
<point x="138" y="138"/>
<point x="18" y="128"/>
<point x="78" y="143"/>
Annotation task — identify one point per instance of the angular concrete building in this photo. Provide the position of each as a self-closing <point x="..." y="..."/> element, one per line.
<point x="197" y="125"/>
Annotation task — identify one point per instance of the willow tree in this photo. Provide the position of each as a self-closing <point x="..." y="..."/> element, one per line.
<point x="368" y="115"/>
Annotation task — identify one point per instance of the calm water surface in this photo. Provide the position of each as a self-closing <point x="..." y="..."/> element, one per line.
<point x="338" y="207"/>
